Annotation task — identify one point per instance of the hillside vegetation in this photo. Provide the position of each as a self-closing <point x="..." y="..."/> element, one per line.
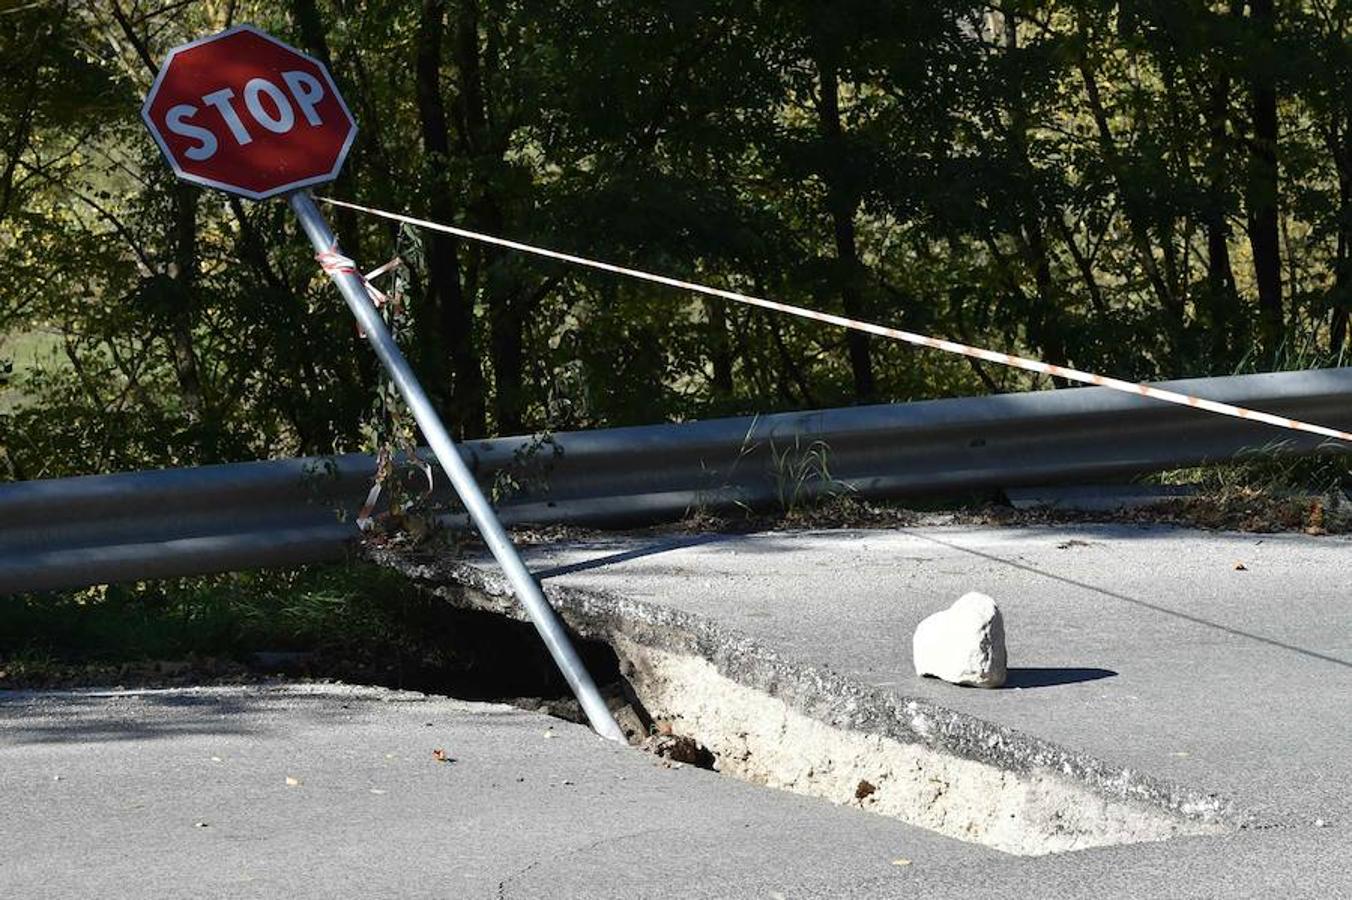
<point x="1151" y="188"/>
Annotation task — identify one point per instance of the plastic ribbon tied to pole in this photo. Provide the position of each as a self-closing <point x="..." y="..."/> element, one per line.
<point x="334" y="262"/>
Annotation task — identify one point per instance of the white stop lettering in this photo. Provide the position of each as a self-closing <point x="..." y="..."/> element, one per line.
<point x="306" y="92"/>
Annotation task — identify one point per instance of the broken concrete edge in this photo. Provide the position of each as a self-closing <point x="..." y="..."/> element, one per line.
<point x="815" y="692"/>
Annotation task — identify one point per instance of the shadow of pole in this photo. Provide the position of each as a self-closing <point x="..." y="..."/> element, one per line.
<point x="663" y="546"/>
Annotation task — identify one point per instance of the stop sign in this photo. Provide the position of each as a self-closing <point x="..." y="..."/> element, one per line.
<point x="246" y="113"/>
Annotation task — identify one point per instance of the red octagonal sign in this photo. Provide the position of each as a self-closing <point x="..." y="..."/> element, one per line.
<point x="243" y="112"/>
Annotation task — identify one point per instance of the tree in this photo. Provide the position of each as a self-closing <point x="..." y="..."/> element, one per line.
<point x="1148" y="188"/>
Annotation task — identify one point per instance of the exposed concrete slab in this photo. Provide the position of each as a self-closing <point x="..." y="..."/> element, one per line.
<point x="1190" y="664"/>
<point x="1146" y="647"/>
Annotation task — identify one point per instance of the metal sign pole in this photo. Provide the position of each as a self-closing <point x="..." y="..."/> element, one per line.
<point x="353" y="289"/>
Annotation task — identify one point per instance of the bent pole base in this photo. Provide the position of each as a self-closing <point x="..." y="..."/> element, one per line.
<point x="353" y="288"/>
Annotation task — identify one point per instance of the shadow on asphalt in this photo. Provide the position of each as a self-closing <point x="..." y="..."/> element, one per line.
<point x="113" y="715"/>
<point x="666" y="545"/>
<point x="1034" y="677"/>
<point x="85" y="716"/>
<point x="89" y="716"/>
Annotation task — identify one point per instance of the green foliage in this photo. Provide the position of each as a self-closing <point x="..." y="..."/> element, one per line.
<point x="1080" y="181"/>
<point x="531" y="465"/>
<point x="1268" y="471"/>
<point x="323" y="608"/>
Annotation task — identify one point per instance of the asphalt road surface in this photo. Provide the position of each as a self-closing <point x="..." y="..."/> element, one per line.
<point x="1146" y="647"/>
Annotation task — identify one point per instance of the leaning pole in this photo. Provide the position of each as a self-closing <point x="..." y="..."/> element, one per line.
<point x="244" y="113"/>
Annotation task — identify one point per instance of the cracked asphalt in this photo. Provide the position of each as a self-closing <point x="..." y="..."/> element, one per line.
<point x="1150" y="648"/>
<point x="1220" y="661"/>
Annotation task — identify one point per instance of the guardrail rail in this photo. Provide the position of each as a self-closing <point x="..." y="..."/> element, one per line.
<point x="73" y="532"/>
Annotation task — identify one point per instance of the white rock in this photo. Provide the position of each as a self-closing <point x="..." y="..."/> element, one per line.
<point x="964" y="644"/>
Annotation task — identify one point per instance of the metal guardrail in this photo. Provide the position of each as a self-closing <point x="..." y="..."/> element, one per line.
<point x="137" y="525"/>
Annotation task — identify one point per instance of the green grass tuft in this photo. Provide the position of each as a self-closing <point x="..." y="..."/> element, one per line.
<point x="357" y="613"/>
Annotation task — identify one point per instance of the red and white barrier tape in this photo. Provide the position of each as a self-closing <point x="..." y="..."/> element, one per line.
<point x="920" y="340"/>
<point x="335" y="263"/>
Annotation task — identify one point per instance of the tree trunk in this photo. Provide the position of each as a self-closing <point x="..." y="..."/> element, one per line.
<point x="1136" y="202"/>
<point x="843" y="203"/>
<point x="1082" y="264"/>
<point x="311" y="28"/>
<point x="503" y="299"/>
<point x="1222" y="297"/>
<point x="182" y="317"/>
<point x="1342" y="285"/>
<point x="1044" y="319"/>
<point x="1264" y="239"/>
<point x="18" y="139"/>
<point x="1044" y="325"/>
<point x="453" y="312"/>
<point x="720" y="351"/>
<point x="1133" y="204"/>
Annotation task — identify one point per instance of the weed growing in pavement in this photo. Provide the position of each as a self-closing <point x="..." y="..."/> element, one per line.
<point x="715" y="485"/>
<point x="803" y="476"/>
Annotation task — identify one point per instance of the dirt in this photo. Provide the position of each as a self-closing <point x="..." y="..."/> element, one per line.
<point x="679" y="748"/>
<point x="1250" y="510"/>
<point x="1242" y="510"/>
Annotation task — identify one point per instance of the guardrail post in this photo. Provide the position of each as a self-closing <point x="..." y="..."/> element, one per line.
<point x="353" y="288"/>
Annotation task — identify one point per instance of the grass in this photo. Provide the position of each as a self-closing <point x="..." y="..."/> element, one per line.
<point x="1265" y="470"/>
<point x="803" y="475"/>
<point x="1265" y="490"/>
<point x="20" y="353"/>
<point x="1263" y="494"/>
<point x="361" y="620"/>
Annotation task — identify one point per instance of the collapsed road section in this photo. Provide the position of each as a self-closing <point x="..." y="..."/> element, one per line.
<point x="774" y="722"/>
